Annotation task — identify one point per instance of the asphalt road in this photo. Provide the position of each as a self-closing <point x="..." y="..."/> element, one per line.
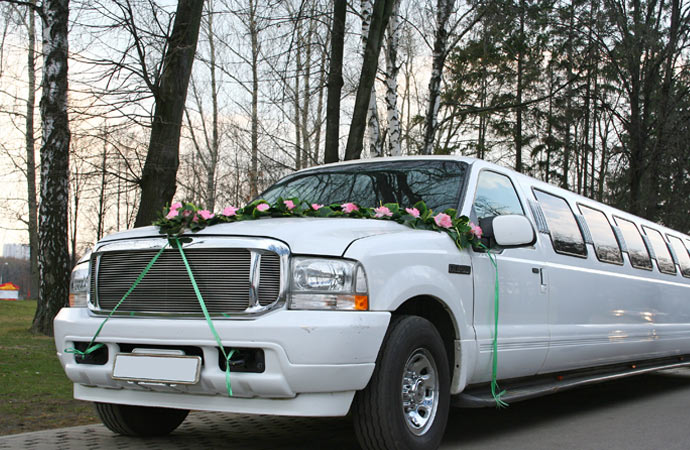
<point x="649" y="412"/>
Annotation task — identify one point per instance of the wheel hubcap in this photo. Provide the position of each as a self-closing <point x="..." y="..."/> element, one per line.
<point x="420" y="391"/>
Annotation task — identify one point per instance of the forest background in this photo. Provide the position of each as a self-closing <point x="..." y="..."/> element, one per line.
<point x="586" y="94"/>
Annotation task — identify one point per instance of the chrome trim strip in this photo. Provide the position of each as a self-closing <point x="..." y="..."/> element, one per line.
<point x="254" y="279"/>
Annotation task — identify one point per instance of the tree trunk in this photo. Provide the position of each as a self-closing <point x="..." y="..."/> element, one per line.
<point x="254" y="169"/>
<point x="53" y="257"/>
<point x="518" y="95"/>
<point x="158" y="179"/>
<point x="31" y="153"/>
<point x="392" y="70"/>
<point x="372" y="114"/>
<point x="335" y="82"/>
<point x="381" y="13"/>
<point x="444" y="9"/>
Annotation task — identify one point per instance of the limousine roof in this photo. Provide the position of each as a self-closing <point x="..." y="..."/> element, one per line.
<point x="525" y="181"/>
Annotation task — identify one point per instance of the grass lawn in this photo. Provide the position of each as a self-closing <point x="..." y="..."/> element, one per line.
<point x="35" y="394"/>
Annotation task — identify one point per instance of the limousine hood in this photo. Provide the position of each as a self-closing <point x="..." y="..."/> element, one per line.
<point x="304" y="235"/>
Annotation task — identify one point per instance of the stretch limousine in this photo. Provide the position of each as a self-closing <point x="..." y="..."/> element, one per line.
<point x="317" y="314"/>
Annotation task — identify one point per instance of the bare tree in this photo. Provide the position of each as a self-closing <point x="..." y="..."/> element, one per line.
<point x="158" y="179"/>
<point x="53" y="257"/>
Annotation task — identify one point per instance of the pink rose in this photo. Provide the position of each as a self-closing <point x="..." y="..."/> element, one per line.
<point x="195" y="218"/>
<point x="382" y="211"/>
<point x="349" y="207"/>
<point x="262" y="207"/>
<point x="206" y="214"/>
<point x="175" y="206"/>
<point x="289" y="204"/>
<point x="186" y="213"/>
<point x="443" y="220"/>
<point x="414" y="212"/>
<point x="316" y="206"/>
<point x="172" y="213"/>
<point x="230" y="211"/>
<point x="476" y="230"/>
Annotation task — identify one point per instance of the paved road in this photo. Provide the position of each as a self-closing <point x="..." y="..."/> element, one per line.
<point x="644" y="413"/>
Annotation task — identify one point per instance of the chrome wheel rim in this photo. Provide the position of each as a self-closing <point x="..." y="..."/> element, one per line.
<point x="420" y="391"/>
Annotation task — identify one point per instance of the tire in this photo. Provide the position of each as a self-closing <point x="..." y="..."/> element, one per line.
<point x="131" y="420"/>
<point x="412" y="375"/>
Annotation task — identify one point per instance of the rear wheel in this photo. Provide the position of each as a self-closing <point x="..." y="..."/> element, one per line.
<point x="405" y="404"/>
<point x="140" y="420"/>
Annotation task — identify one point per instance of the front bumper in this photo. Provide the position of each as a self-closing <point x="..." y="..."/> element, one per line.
<point x="314" y="360"/>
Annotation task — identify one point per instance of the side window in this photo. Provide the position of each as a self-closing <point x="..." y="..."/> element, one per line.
<point x="566" y="236"/>
<point x="681" y="253"/>
<point x="605" y="243"/>
<point x="495" y="196"/>
<point x="663" y="256"/>
<point x="637" y="251"/>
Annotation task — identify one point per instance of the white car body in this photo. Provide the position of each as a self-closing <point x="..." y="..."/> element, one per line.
<point x="557" y="313"/>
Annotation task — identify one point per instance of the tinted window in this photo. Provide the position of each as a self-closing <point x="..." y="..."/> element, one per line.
<point x="605" y="243"/>
<point x="495" y="196"/>
<point x="565" y="233"/>
<point x="437" y="183"/>
<point x="637" y="251"/>
<point x="681" y="253"/>
<point x="663" y="256"/>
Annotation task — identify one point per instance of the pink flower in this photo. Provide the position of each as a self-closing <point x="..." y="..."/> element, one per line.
<point x="476" y="230"/>
<point x="262" y="207"/>
<point x="414" y="212"/>
<point x="186" y="213"/>
<point x="230" y="211"/>
<point x="316" y="206"/>
<point x="382" y="211"/>
<point x="172" y="213"/>
<point x="195" y="218"/>
<point x="443" y="220"/>
<point x="175" y="206"/>
<point x="349" y="207"/>
<point x="206" y="214"/>
<point x="289" y="204"/>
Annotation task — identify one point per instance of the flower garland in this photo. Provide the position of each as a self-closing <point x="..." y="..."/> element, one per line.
<point x="179" y="217"/>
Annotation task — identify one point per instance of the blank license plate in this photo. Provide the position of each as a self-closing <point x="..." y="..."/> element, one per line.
<point x="157" y="368"/>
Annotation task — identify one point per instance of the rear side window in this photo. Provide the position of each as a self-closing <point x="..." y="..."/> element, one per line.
<point x="495" y="196"/>
<point x="566" y="236"/>
<point x="605" y="242"/>
<point x="681" y="253"/>
<point x="637" y="251"/>
<point x="663" y="256"/>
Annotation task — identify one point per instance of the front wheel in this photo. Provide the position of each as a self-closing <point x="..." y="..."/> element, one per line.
<point x="405" y="405"/>
<point x="132" y="420"/>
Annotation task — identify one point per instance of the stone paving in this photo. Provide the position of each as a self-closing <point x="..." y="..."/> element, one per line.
<point x="202" y="430"/>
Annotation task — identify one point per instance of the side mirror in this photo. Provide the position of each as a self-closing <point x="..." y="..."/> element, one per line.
<point x="509" y="231"/>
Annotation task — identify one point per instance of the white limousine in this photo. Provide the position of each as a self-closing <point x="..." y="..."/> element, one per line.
<point x="321" y="316"/>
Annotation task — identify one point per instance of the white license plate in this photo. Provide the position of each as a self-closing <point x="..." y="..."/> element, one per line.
<point x="157" y="368"/>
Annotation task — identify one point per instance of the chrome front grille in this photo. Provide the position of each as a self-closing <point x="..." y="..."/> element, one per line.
<point x="231" y="280"/>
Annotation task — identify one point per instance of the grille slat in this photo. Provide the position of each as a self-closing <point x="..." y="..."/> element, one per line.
<point x="222" y="275"/>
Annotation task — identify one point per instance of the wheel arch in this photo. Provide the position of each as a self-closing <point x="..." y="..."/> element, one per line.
<point x="441" y="317"/>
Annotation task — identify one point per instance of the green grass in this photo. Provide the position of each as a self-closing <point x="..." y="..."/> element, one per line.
<point x="35" y="393"/>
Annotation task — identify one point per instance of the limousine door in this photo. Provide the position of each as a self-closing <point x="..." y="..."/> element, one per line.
<point x="523" y="332"/>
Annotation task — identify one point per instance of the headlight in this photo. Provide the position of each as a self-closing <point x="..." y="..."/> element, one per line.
<point x="323" y="283"/>
<point x="79" y="282"/>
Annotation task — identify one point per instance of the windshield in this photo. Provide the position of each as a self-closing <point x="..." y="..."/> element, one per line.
<point x="437" y="183"/>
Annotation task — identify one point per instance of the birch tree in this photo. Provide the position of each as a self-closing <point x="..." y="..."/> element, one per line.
<point x="53" y="257"/>
<point x="391" y="77"/>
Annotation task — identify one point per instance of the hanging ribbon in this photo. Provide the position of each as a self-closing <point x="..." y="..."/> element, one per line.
<point x="496" y="393"/>
<point x="227" y="355"/>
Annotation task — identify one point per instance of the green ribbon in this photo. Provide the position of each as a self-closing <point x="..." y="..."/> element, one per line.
<point x="91" y="347"/>
<point x="496" y="393"/>
<point x="227" y="356"/>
